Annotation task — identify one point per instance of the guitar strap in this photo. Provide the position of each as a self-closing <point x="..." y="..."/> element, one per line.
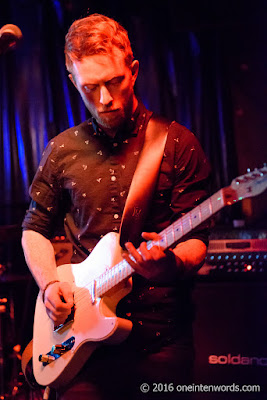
<point x="144" y="180"/>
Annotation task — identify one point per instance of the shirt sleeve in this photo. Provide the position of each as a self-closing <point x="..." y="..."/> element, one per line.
<point x="45" y="195"/>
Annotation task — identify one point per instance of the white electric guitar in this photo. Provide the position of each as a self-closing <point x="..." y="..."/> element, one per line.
<point x="99" y="283"/>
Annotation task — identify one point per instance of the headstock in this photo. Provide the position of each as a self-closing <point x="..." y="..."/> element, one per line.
<point x="250" y="184"/>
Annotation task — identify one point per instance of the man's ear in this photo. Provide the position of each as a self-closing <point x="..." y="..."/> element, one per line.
<point x="72" y="80"/>
<point x="135" y="69"/>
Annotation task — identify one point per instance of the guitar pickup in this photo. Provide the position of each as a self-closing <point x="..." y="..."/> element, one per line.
<point x="60" y="349"/>
<point x="57" y="351"/>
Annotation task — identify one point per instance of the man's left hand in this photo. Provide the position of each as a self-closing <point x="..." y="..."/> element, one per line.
<point x="154" y="264"/>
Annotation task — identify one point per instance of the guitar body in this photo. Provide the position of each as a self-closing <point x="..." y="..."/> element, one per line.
<point x="95" y="321"/>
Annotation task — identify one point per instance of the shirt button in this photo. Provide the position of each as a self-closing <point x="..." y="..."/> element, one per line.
<point x="116" y="216"/>
<point x="115" y="144"/>
<point x="113" y="178"/>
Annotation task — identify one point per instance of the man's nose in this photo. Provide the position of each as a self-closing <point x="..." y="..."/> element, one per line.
<point x="105" y="96"/>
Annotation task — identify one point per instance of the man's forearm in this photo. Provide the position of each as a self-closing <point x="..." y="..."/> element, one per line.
<point x="40" y="257"/>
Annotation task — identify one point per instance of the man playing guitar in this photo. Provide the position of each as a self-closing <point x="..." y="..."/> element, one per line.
<point x="85" y="175"/>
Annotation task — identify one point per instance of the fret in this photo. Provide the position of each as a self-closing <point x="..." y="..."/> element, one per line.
<point x="123" y="270"/>
<point x="173" y="233"/>
<point x="113" y="276"/>
<point x="165" y="237"/>
<point x="190" y="221"/>
<point x="163" y="241"/>
<point x="219" y="199"/>
<point x="210" y="205"/>
<point x="204" y="211"/>
<point x="98" y="288"/>
<point x="186" y="224"/>
<point x="93" y="292"/>
<point x="168" y="236"/>
<point x="108" y="280"/>
<point x="181" y="227"/>
<point x="117" y="273"/>
<point x="195" y="217"/>
<point x="112" y="280"/>
<point x="104" y="282"/>
<point x="99" y="283"/>
<point x="151" y="243"/>
<point x="177" y="230"/>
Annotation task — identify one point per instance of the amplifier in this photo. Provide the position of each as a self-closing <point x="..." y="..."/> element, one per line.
<point x="230" y="332"/>
<point x="236" y="257"/>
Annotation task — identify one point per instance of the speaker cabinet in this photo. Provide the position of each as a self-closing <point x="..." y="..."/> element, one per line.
<point x="230" y="337"/>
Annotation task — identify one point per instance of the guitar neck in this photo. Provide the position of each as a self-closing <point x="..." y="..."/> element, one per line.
<point x="167" y="237"/>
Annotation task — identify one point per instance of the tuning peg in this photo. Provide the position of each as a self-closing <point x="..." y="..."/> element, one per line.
<point x="241" y="179"/>
<point x="256" y="173"/>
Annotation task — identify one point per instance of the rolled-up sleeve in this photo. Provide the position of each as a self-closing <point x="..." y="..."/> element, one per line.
<point x="45" y="194"/>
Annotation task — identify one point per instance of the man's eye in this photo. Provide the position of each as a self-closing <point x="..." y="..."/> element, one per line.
<point x="89" y="89"/>
<point x="115" y="81"/>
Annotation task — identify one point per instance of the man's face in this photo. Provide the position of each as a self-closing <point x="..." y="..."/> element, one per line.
<point x="106" y="85"/>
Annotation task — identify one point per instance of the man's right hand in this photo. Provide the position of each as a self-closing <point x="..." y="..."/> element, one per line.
<point x="58" y="300"/>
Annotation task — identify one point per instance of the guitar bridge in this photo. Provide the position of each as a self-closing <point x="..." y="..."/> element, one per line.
<point x="66" y="323"/>
<point x="57" y="351"/>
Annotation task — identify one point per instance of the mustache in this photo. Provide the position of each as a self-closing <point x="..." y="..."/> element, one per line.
<point x="105" y="110"/>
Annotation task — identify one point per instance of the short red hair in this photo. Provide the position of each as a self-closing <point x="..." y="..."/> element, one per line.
<point x="96" y="34"/>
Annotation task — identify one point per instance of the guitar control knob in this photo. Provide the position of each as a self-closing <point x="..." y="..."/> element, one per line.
<point x="46" y="358"/>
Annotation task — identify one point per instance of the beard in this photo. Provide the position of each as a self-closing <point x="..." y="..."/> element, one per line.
<point x="112" y="118"/>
